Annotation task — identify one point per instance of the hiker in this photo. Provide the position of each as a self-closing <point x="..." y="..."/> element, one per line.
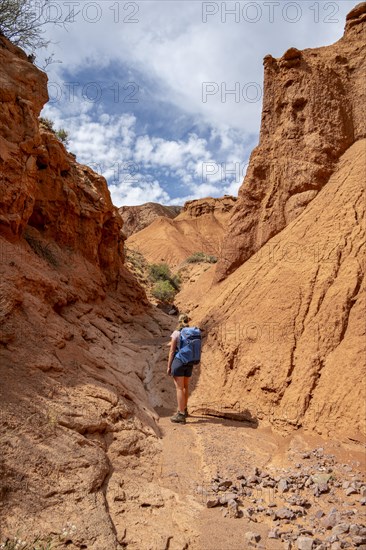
<point x="185" y="351"/>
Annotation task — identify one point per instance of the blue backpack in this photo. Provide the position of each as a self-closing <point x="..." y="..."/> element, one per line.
<point x="190" y="345"/>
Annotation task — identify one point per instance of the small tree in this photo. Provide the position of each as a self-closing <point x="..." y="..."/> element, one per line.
<point x="23" y="21"/>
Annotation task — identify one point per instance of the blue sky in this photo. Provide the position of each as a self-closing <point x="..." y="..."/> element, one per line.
<point x="164" y="97"/>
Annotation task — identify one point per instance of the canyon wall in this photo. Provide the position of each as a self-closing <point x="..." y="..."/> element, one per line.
<point x="200" y="227"/>
<point x="285" y="332"/>
<point x="313" y="110"/>
<point x="78" y="340"/>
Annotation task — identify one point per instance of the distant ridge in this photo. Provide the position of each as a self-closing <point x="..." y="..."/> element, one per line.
<point x="138" y="217"/>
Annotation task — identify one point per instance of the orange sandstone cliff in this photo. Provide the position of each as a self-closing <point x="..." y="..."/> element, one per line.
<point x="200" y="227"/>
<point x="77" y="342"/>
<point x="285" y="331"/>
<point x="313" y="111"/>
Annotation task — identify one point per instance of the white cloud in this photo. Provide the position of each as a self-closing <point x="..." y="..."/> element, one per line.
<point x="145" y="191"/>
<point x="109" y="144"/>
<point x="168" y="44"/>
<point x="174" y="154"/>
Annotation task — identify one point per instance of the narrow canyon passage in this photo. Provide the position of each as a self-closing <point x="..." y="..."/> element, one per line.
<point x="273" y="479"/>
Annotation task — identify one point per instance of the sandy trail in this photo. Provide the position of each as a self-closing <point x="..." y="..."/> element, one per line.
<point x="194" y="453"/>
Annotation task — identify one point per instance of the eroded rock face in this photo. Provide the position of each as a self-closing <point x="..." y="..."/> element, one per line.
<point x="41" y="185"/>
<point x="75" y="416"/>
<point x="285" y="332"/>
<point x="136" y="218"/>
<point x="200" y="227"/>
<point x="313" y="110"/>
<point x="197" y="208"/>
<point x="23" y="92"/>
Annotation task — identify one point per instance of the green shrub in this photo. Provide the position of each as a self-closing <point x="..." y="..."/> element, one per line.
<point x="201" y="257"/>
<point x="159" y="272"/>
<point x="175" y="281"/>
<point x="47" y="123"/>
<point x="164" y="291"/>
<point x="62" y="136"/>
<point x="211" y="259"/>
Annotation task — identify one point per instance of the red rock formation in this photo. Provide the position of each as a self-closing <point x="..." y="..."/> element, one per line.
<point x="285" y="330"/>
<point x="313" y="110"/>
<point x="136" y="218"/>
<point x="41" y="185"/>
<point x="200" y="227"/>
<point x="23" y="92"/>
<point x="72" y="319"/>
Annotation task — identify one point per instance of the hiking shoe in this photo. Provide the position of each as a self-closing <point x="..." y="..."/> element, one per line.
<point x="186" y="414"/>
<point x="178" y="418"/>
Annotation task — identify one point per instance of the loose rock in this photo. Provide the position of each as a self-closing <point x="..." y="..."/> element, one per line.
<point x="252" y="537"/>
<point x="305" y="543"/>
<point x="211" y="503"/>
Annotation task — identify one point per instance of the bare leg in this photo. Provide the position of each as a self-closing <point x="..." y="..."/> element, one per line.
<point x="186" y="391"/>
<point x="179" y="386"/>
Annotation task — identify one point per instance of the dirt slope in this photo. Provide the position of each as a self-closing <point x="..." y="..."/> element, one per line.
<point x="286" y="332"/>
<point x="136" y="218"/>
<point x="200" y="227"/>
<point x="313" y="110"/>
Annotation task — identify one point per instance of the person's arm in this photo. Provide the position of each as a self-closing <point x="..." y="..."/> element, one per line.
<point x="173" y="347"/>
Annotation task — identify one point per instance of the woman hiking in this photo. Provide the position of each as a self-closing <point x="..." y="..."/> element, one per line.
<point x="180" y="371"/>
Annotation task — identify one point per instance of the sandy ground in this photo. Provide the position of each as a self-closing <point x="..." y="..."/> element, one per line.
<point x="194" y="453"/>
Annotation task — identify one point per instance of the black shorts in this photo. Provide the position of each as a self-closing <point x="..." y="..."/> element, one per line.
<point x="181" y="369"/>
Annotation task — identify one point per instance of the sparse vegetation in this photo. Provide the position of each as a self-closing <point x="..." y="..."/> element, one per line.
<point x="61" y="134"/>
<point x="164" y="291"/>
<point x="161" y="272"/>
<point x="157" y="279"/>
<point x="23" y="22"/>
<point x="166" y="284"/>
<point x="201" y="257"/>
<point x="47" y="123"/>
<point x="43" y="251"/>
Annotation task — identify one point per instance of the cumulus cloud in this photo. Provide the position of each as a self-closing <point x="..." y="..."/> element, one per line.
<point x="195" y="64"/>
<point x="141" y="168"/>
<point x="199" y="53"/>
